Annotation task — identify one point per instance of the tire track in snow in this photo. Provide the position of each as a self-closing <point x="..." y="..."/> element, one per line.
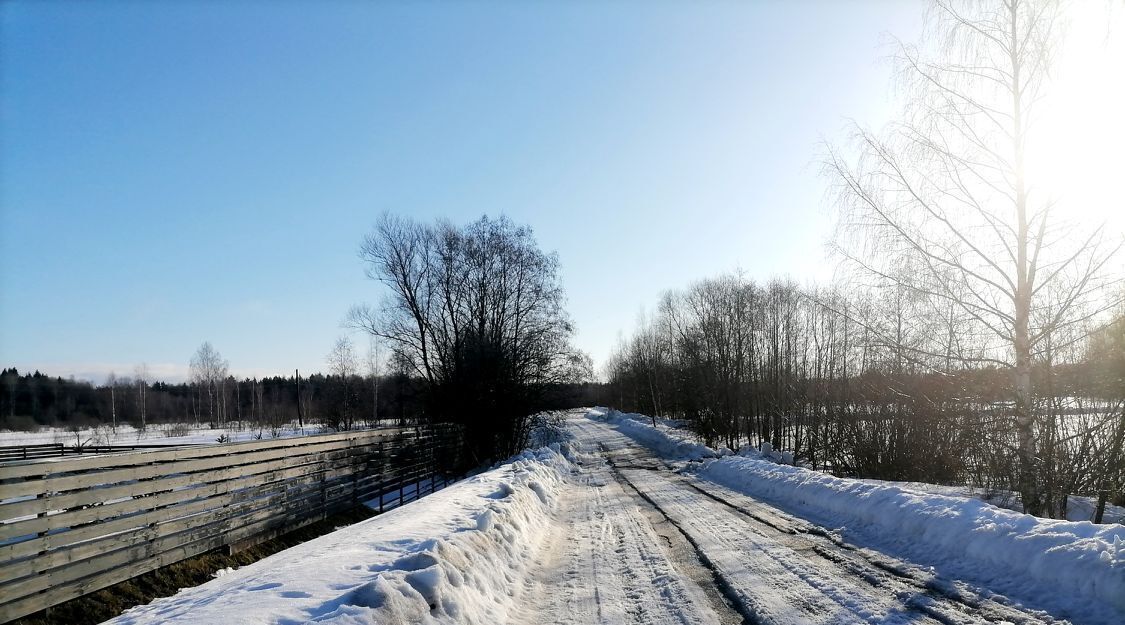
<point x="786" y="570"/>
<point x="605" y="562"/>
<point x="729" y="593"/>
<point x="862" y="561"/>
<point x="771" y="579"/>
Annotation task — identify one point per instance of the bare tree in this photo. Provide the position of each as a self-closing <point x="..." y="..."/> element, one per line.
<point x="476" y="313"/>
<point x="111" y="382"/>
<point x="374" y="370"/>
<point x="141" y="375"/>
<point x="944" y="191"/>
<point x="344" y="365"/>
<point x="208" y="369"/>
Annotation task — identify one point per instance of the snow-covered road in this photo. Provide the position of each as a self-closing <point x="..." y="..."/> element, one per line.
<point x="600" y="528"/>
<point x="612" y="558"/>
<point x="609" y="560"/>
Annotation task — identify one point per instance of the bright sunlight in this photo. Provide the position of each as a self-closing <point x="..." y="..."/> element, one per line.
<point x="1075" y="155"/>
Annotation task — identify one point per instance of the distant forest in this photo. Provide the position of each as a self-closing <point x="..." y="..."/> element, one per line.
<point x="32" y="400"/>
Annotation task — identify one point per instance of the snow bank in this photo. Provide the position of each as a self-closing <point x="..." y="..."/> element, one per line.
<point x="987" y="543"/>
<point x="1055" y="561"/>
<point x="1078" y="507"/>
<point x="668" y="442"/>
<point x="457" y="556"/>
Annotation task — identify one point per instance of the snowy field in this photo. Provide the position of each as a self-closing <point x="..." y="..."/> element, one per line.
<point x="158" y="434"/>
<point x="619" y="522"/>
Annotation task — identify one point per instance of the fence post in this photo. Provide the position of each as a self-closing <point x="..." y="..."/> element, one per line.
<point x="433" y="461"/>
<point x="43" y="498"/>
<point x="356" y="463"/>
<point x="381" y="473"/>
<point x="322" y="462"/>
<point x="401" y="485"/>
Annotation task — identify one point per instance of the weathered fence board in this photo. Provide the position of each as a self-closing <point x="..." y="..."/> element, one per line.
<point x="148" y="467"/>
<point x="70" y="527"/>
<point x="242" y="478"/>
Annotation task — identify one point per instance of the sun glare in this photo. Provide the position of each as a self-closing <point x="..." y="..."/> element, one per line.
<point x="1076" y="154"/>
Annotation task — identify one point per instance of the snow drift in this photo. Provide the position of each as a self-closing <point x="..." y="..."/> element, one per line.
<point x="457" y="556"/>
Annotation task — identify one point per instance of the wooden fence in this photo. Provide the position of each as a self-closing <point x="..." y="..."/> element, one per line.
<point x="49" y="450"/>
<point x="72" y="526"/>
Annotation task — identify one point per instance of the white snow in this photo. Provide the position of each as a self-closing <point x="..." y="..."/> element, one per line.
<point x="1078" y="508"/>
<point x="980" y="541"/>
<point x="1066" y="562"/>
<point x="669" y="442"/>
<point x="559" y="535"/>
<point x="158" y="434"/>
<point x="457" y="556"/>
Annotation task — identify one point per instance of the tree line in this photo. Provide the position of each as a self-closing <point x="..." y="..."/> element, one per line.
<point x="852" y="382"/>
<point x="32" y="400"/>
<point x="29" y="401"/>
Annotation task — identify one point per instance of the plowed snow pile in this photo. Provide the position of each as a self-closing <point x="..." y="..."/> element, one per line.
<point x="457" y="556"/>
<point x="986" y="543"/>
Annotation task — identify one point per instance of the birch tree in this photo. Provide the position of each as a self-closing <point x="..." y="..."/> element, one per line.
<point x="374" y="370"/>
<point x="141" y="376"/>
<point x="343" y="364"/>
<point x="207" y="369"/>
<point x="111" y="382"/>
<point x="945" y="191"/>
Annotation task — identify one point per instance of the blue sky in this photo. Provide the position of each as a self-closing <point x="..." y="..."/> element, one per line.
<point x="175" y="172"/>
